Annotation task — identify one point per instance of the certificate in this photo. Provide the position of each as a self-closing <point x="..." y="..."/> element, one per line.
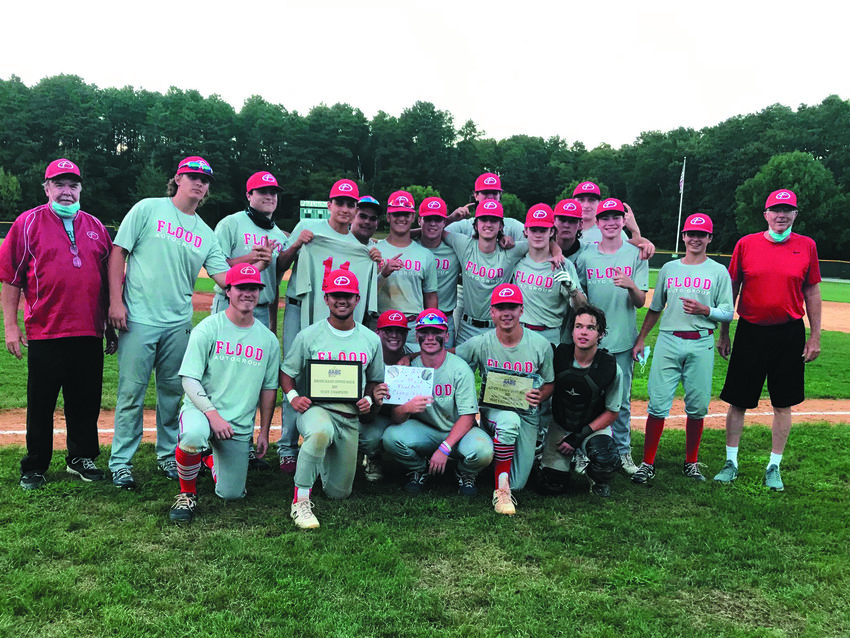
<point x="505" y="389"/>
<point x="336" y="381"/>
<point x="406" y="382"/>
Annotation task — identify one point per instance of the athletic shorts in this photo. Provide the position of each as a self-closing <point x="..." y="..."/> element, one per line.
<point x="772" y="352"/>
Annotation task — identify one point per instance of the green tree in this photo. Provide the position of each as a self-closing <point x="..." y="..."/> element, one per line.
<point x="421" y="192"/>
<point x="514" y="207"/>
<point x="10" y="195"/>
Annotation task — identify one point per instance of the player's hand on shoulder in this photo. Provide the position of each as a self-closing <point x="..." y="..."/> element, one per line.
<point x="507" y="242"/>
<point x="647" y="250"/>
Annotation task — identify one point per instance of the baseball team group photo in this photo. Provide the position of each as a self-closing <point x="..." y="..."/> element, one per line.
<point x="363" y="408"/>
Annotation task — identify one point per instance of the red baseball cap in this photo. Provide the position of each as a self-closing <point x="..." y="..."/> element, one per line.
<point x="587" y="188"/>
<point x="433" y="206"/>
<point x="506" y="293"/>
<point x="698" y="221"/>
<point x="781" y="197"/>
<point x="488" y="182"/>
<point x="401" y="202"/>
<point x="490" y="208"/>
<point x="263" y="179"/>
<point x="432" y="318"/>
<point x="243" y="274"/>
<point x="341" y="281"/>
<point x="195" y="164"/>
<point x="62" y="166"/>
<point x="344" y="188"/>
<point x="392" y="319"/>
<point x="610" y="205"/>
<point x="540" y="216"/>
<point x="568" y="208"/>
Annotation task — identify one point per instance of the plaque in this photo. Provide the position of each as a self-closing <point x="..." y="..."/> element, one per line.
<point x="334" y="381"/>
<point x="406" y="382"/>
<point x="506" y="389"/>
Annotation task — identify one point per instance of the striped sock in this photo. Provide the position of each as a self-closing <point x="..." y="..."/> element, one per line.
<point x="188" y="466"/>
<point x="654" y="428"/>
<point x="504" y="456"/>
<point x="693" y="436"/>
<point x="209" y="461"/>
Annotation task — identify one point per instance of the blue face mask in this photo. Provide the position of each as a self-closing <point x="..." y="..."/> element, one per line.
<point x="779" y="237"/>
<point x="63" y="211"/>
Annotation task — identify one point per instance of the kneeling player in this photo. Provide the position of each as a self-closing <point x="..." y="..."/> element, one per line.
<point x="231" y="361"/>
<point x="330" y="430"/>
<point x="585" y="403"/>
<point x="432" y="428"/>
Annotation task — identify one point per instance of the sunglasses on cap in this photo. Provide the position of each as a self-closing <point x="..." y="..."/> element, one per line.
<point x="431" y="321"/>
<point x="195" y="165"/>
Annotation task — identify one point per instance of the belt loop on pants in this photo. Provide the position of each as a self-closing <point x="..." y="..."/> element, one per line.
<point x="692" y="334"/>
<point x="292" y="301"/>
<point x="535" y="328"/>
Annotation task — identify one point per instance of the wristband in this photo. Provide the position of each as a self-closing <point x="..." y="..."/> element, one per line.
<point x="445" y="448"/>
<point x="369" y="399"/>
<point x="291" y="395"/>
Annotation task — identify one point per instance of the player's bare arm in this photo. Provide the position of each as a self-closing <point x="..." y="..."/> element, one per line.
<point x="10" y="296"/>
<point x="437" y="462"/>
<point x="724" y="343"/>
<point x="285" y="258"/>
<point x="115" y="275"/>
<point x="636" y="295"/>
<point x="298" y="403"/>
<point x="260" y="257"/>
<point x="814" y="307"/>
<point x="649" y="322"/>
<point x="536" y="396"/>
<point x="268" y="398"/>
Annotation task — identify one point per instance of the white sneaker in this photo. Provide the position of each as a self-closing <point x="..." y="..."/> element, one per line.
<point x="302" y="513"/>
<point x="580" y="461"/>
<point x="504" y="502"/>
<point x="629" y="466"/>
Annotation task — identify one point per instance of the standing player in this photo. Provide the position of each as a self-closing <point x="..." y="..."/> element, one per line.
<point x="697" y="294"/>
<point x="231" y="364"/>
<point x="588" y="195"/>
<point x="330" y="430"/>
<point x="487" y="186"/>
<point x="616" y="280"/>
<point x="56" y="254"/>
<point x="433" y="428"/>
<point x="365" y="222"/>
<point x="432" y="221"/>
<point x="511" y="347"/>
<point x="776" y="272"/>
<point x="165" y="245"/>
<point x="408" y="279"/>
<point x="585" y="402"/>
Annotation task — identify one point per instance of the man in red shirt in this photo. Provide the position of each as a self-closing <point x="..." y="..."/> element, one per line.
<point x="776" y="272"/>
<point x="57" y="255"/>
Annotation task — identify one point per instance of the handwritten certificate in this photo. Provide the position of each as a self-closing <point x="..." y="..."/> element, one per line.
<point x="405" y="382"/>
<point x="334" y="381"/>
<point x="506" y="389"/>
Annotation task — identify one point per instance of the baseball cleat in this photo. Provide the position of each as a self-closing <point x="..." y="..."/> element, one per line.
<point x="255" y="462"/>
<point x="504" y="502"/>
<point x="691" y="470"/>
<point x="629" y="466"/>
<point x="580" y="462"/>
<point x="123" y="478"/>
<point x="373" y="470"/>
<point x="288" y="464"/>
<point x="302" y="513"/>
<point x="417" y="482"/>
<point x="169" y="468"/>
<point x="644" y="473"/>
<point x="183" y="510"/>
<point x="85" y="469"/>
<point x="32" y="480"/>
<point x="466" y="483"/>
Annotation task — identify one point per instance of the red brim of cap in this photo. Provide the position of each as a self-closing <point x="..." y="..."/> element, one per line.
<point x="400" y="209"/>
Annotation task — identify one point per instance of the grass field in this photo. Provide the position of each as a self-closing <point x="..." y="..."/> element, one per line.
<point x="674" y="559"/>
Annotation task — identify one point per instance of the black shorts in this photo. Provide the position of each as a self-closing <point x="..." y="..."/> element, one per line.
<point x="775" y="352"/>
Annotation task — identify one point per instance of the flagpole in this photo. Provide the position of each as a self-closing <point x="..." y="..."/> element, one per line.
<point x="681" y="197"/>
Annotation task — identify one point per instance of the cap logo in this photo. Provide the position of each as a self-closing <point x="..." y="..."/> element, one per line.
<point x="490" y="181"/>
<point x="610" y="204"/>
<point x="396" y="316"/>
<point x="539" y="214"/>
<point x="268" y="177"/>
<point x="570" y="206"/>
<point x="506" y="292"/>
<point x="65" y="164"/>
<point x="434" y="205"/>
<point x="401" y="199"/>
<point x="783" y="195"/>
<point x="489" y="205"/>
<point x="587" y="186"/>
<point x="92" y="235"/>
<point x="342" y="280"/>
<point x="698" y="221"/>
<point x="248" y="270"/>
<point x="345" y="187"/>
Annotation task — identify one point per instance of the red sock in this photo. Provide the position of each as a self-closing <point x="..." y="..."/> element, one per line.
<point x="693" y="435"/>
<point x="654" y="428"/>
<point x="188" y="466"/>
<point x="504" y="455"/>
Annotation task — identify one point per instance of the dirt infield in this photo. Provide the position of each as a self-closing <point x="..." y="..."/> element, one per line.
<point x="13" y="422"/>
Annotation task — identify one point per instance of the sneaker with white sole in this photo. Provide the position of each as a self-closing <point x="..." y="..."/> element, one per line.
<point x="85" y="469"/>
<point x="580" y="462"/>
<point x="466" y="483"/>
<point x="629" y="466"/>
<point x="504" y="502"/>
<point x="123" y="478"/>
<point x="417" y="482"/>
<point x="302" y="513"/>
<point x="728" y="474"/>
<point x="373" y="471"/>
<point x="183" y="510"/>
<point x="772" y="479"/>
<point x="644" y="473"/>
<point x="32" y="480"/>
<point x="691" y="470"/>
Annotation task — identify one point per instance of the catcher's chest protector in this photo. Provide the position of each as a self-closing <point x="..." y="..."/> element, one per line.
<point x="578" y="397"/>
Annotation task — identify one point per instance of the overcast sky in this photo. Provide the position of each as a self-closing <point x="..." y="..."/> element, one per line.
<point x="601" y="72"/>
